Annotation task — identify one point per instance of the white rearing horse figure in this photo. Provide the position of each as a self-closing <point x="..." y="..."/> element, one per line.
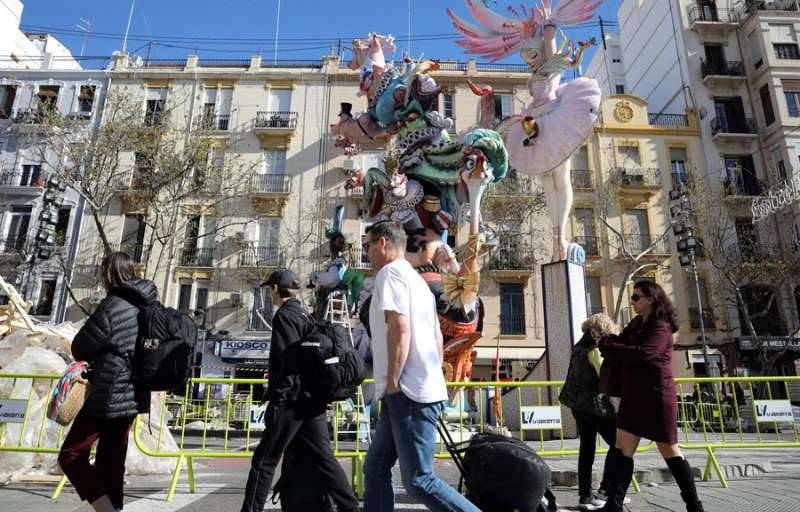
<point x="560" y="117"/>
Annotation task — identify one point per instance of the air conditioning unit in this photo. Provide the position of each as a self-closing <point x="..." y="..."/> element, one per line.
<point x="351" y="164"/>
<point x="236" y="299"/>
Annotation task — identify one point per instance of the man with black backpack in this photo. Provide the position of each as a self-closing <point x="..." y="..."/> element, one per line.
<point x="294" y="420"/>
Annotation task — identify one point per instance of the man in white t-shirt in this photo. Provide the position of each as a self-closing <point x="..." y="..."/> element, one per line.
<point x="407" y="363"/>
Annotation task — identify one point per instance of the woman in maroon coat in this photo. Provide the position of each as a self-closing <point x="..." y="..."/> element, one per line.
<point x="649" y="409"/>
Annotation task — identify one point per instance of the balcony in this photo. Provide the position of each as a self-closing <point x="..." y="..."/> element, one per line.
<point x="275" y="128"/>
<point x="708" y="20"/>
<point x="590" y="244"/>
<point x="644" y="181"/>
<point x="197" y="257"/>
<point x="753" y="6"/>
<point x="21" y="183"/>
<point x="637" y="243"/>
<point x="212" y="124"/>
<point x="725" y="131"/>
<point x="510" y="187"/>
<point x="511" y="262"/>
<point x="720" y="74"/>
<point x="270" y="193"/>
<point x="360" y="260"/>
<point x="582" y="179"/>
<point x="261" y="256"/>
<point x="672" y="121"/>
<point x="741" y="189"/>
<point x="14" y="246"/>
<point x="28" y="116"/>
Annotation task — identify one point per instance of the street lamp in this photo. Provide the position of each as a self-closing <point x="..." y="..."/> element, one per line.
<point x="687" y="245"/>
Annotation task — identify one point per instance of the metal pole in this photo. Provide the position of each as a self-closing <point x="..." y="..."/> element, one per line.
<point x="277" y="32"/>
<point x="700" y="307"/>
<point x="128" y="28"/>
<point x="411" y="55"/>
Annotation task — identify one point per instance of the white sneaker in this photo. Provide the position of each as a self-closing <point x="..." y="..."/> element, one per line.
<point x="592" y="502"/>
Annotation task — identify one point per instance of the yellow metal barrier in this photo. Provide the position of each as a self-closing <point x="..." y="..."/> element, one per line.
<point x="223" y="418"/>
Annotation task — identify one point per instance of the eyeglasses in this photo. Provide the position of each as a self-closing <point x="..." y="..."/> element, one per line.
<point x="635" y="297"/>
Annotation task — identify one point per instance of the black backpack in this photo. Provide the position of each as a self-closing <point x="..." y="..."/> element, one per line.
<point x="330" y="367"/>
<point x="164" y="348"/>
<point x="505" y="474"/>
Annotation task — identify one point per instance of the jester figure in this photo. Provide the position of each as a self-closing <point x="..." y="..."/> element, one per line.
<point x="431" y="184"/>
<point x="561" y="116"/>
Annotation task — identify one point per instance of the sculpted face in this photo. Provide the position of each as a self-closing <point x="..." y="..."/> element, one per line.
<point x="355" y="178"/>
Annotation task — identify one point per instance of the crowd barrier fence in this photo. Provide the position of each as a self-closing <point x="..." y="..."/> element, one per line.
<point x="223" y="418"/>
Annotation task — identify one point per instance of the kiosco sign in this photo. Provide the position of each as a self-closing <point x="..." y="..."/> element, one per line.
<point x="773" y="411"/>
<point x="244" y="349"/>
<point x="540" y="418"/>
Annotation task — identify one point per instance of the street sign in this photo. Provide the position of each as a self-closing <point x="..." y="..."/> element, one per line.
<point x="244" y="349"/>
<point x="770" y="411"/>
<point x="540" y="418"/>
<point x="13" y="411"/>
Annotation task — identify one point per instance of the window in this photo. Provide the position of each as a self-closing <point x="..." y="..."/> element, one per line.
<point x="746" y="237"/>
<point x="503" y="106"/>
<point x="766" y="104"/>
<point x="47" y="292"/>
<point x="777" y="162"/>
<point x="31" y="176"/>
<point x="787" y="51"/>
<point x="185" y="297"/>
<point x="694" y="308"/>
<point x="594" y="295"/>
<point x="791" y="91"/>
<point x="258" y="314"/>
<point x="784" y="40"/>
<point x="155" y="106"/>
<point x="512" y="309"/>
<point x="583" y="231"/>
<point x="7" y="95"/>
<point x="629" y="156"/>
<point x="280" y="100"/>
<point x="86" y="100"/>
<point x="637" y="230"/>
<point x="741" y="176"/>
<point x="133" y="237"/>
<point x="677" y="160"/>
<point x="47" y="97"/>
<point x="275" y="161"/>
<point x="757" y="300"/>
<point x="17" y="229"/>
<point x="448" y="106"/>
<point x="201" y="296"/>
<point x="620" y="89"/>
<point x="62" y="224"/>
<point x="753" y="39"/>
<point x="796" y="237"/>
<point x="797" y="300"/>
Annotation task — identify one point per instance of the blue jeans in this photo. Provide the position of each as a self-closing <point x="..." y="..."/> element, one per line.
<point x="407" y="430"/>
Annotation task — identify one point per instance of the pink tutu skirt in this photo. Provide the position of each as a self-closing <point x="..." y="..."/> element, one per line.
<point x="563" y="127"/>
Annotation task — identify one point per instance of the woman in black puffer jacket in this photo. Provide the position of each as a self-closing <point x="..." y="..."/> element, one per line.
<point x="107" y="342"/>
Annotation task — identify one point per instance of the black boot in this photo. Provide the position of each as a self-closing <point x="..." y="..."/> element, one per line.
<point x="684" y="477"/>
<point x="620" y="474"/>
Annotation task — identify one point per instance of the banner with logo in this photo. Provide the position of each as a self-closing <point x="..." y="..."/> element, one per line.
<point x="769" y="411"/>
<point x="244" y="349"/>
<point x="540" y="417"/>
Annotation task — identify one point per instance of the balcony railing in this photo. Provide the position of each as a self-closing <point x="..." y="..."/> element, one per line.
<point x="197" y="257"/>
<point x="13" y="244"/>
<point x="29" y="116"/>
<point x="638" y="243"/>
<point x="740" y="187"/>
<point x="512" y="324"/>
<point x="32" y="179"/>
<point x="360" y="260"/>
<point x="512" y="258"/>
<point x="582" y="179"/>
<point x="709" y="14"/>
<point x="637" y="176"/>
<point x="751" y="6"/>
<point x="271" y="183"/>
<point x="722" y="68"/>
<point x="276" y="119"/>
<point x="751" y="251"/>
<point x="214" y="122"/>
<point x="669" y="120"/>
<point x="590" y="244"/>
<point x="679" y="178"/>
<point x="744" y="125"/>
<point x="517" y="186"/>
<point x="261" y="256"/>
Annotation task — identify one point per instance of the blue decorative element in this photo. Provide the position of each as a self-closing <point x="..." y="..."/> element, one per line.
<point x="576" y="254"/>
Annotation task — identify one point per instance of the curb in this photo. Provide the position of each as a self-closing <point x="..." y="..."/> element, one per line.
<point x="663" y="475"/>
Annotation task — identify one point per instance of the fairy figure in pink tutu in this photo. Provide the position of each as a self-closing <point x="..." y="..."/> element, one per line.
<point x="558" y="121"/>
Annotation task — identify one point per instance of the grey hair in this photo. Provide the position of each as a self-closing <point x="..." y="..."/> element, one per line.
<point x="601" y="323"/>
<point x="392" y="231"/>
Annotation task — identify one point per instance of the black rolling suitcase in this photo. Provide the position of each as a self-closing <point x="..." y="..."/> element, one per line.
<point x="500" y="474"/>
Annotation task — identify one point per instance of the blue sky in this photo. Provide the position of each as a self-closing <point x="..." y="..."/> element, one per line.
<point x="307" y="27"/>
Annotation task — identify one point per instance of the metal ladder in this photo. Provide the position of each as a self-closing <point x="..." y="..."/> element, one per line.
<point x="338" y="313"/>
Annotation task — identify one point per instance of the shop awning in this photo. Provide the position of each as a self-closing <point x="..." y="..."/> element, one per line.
<point x="488" y="354"/>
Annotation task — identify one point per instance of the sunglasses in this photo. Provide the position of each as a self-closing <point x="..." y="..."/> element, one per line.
<point x="635" y="297"/>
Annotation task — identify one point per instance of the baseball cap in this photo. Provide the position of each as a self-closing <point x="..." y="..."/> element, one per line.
<point x="283" y="278"/>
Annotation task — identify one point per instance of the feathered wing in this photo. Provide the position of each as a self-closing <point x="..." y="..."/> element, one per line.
<point x="570" y="12"/>
<point x="496" y="37"/>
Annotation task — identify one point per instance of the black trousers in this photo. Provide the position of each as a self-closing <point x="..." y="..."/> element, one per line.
<point x="589" y="426"/>
<point x="285" y="426"/>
